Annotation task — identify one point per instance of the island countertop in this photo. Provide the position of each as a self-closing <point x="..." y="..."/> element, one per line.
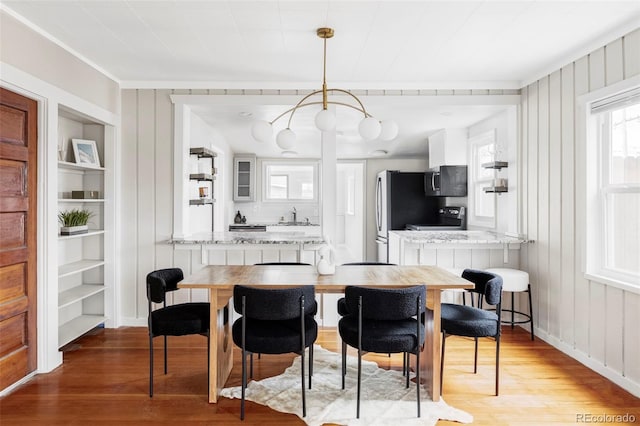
<point x="249" y="238"/>
<point x="456" y="237"/>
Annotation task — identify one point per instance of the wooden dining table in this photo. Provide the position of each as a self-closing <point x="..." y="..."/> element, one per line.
<point x="220" y="279"/>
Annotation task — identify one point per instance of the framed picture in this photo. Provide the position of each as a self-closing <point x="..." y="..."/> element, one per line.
<point x="85" y="152"/>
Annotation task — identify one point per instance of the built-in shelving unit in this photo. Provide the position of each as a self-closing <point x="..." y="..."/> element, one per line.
<point x="81" y="257"/>
<point x="203" y="154"/>
<point x="497" y="166"/>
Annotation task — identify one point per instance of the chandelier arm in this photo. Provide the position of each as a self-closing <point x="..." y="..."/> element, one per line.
<point x="346" y="92"/>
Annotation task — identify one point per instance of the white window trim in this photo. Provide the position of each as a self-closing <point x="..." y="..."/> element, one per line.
<point x="473" y="143"/>
<point x="591" y="221"/>
<point x="316" y="181"/>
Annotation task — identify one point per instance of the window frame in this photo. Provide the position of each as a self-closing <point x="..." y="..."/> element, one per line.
<point x="597" y="188"/>
<point x="474" y="142"/>
<point x="265" y="181"/>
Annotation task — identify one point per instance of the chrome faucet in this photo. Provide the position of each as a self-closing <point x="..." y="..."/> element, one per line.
<point x="294" y="214"/>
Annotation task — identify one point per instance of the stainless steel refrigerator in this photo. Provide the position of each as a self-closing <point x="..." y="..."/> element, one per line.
<point x="401" y="200"/>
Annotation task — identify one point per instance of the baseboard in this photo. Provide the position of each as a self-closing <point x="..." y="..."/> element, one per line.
<point x="11" y="388"/>
<point x="134" y="322"/>
<point x="583" y="358"/>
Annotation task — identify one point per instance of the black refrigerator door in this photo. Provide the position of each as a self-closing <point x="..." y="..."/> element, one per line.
<point x="407" y="203"/>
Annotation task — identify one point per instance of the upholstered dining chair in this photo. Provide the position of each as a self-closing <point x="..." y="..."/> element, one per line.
<point x="383" y="321"/>
<point x="470" y="321"/>
<point x="174" y="320"/>
<point x="275" y="321"/>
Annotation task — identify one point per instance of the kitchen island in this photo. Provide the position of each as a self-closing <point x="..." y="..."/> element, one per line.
<point x="455" y="249"/>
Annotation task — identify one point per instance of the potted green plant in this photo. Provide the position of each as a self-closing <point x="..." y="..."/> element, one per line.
<point x="74" y="221"/>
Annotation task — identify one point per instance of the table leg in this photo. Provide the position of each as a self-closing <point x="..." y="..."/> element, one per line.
<point x="220" y="344"/>
<point x="213" y="346"/>
<point x="430" y="356"/>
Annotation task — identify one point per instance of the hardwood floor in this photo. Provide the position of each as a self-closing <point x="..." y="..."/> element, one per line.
<point x="104" y="381"/>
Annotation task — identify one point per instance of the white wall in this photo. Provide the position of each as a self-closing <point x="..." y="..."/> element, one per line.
<point x="37" y="68"/>
<point x="591" y="321"/>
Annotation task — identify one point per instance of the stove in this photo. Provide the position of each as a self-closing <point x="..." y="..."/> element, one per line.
<point x="450" y="218"/>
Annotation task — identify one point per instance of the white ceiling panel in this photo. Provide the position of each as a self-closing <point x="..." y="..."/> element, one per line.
<point x="421" y="44"/>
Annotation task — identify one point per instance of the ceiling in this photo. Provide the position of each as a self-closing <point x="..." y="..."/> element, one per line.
<point x="377" y="45"/>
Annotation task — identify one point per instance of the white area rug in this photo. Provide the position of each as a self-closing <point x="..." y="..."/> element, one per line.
<point x="384" y="401"/>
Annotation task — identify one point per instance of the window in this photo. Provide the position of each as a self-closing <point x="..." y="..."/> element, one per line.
<point x="290" y="181"/>
<point x="482" y="205"/>
<point x="613" y="194"/>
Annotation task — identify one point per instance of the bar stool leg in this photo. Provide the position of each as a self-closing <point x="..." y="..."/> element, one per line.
<point x="513" y="311"/>
<point x="530" y="310"/>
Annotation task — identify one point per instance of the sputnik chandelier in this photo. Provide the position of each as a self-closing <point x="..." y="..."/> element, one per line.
<point x="369" y="128"/>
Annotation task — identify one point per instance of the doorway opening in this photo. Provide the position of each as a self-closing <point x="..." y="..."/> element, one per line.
<point x="350" y="201"/>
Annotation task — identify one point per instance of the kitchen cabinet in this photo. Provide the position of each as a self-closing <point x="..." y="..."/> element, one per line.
<point x="244" y="178"/>
<point x="85" y="265"/>
<point x="447" y="146"/>
<point x="448" y="181"/>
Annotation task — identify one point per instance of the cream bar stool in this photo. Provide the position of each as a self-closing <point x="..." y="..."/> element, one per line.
<point x="515" y="281"/>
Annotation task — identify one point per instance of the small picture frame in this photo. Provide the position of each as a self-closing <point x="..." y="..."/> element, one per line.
<point x="85" y="152"/>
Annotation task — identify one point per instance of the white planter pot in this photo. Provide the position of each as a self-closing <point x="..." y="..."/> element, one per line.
<point x="74" y="230"/>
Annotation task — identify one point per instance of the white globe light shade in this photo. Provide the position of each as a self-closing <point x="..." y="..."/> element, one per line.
<point x="389" y="130"/>
<point x="369" y="128"/>
<point x="261" y="130"/>
<point x="325" y="120"/>
<point x="286" y="139"/>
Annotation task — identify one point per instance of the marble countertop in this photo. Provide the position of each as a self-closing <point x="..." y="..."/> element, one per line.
<point x="457" y="237"/>
<point x="277" y="224"/>
<point x="249" y="238"/>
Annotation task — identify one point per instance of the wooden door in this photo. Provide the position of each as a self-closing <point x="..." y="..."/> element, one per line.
<point x="18" y="209"/>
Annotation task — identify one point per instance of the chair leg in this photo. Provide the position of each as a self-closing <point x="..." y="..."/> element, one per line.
<point x="244" y="381"/>
<point x="150" y="366"/>
<point x="475" y="357"/>
<point x="165" y="354"/>
<point x="344" y="362"/>
<point x="304" y="399"/>
<point x="310" y="364"/>
<point x="404" y="363"/>
<point x="405" y="355"/>
<point x="359" y="382"/>
<point x="444" y="337"/>
<point x="530" y="310"/>
<point x="497" y="364"/>
<point x="251" y="365"/>
<point x="208" y="358"/>
<point x="418" y="378"/>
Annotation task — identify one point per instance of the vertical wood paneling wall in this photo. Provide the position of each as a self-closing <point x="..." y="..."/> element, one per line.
<point x="147" y="188"/>
<point x="591" y="321"/>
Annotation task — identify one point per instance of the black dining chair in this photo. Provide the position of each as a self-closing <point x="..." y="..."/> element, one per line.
<point x="275" y="321"/>
<point x="174" y="320"/>
<point x="470" y="321"/>
<point x="383" y="321"/>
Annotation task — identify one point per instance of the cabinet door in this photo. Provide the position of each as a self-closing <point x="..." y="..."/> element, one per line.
<point x="244" y="175"/>
<point x="453" y="181"/>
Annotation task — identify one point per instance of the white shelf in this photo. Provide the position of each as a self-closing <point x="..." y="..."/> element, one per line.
<point x="87" y="234"/>
<point x="77" y="327"/>
<point x="78" y="293"/>
<point x="77" y="267"/>
<point x="73" y="166"/>
<point x="80" y="200"/>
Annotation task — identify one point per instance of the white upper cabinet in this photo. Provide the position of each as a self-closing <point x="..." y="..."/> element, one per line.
<point x="448" y="147"/>
<point x="244" y="178"/>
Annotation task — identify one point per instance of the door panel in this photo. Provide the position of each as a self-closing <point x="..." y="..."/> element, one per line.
<point x="18" y="166"/>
